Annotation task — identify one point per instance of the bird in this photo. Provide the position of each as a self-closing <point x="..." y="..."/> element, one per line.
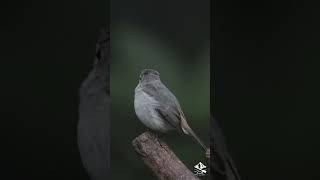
<point x="93" y="128"/>
<point x="157" y="107"/>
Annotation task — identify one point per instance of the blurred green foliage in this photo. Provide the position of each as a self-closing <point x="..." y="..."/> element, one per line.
<point x="134" y="49"/>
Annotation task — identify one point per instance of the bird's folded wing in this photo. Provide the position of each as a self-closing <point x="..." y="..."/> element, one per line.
<point x="167" y="106"/>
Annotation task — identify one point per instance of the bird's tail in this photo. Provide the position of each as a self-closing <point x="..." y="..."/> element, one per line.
<point x="187" y="130"/>
<point x="193" y="134"/>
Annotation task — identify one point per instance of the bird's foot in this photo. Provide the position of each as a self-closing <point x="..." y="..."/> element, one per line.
<point x="158" y="140"/>
<point x="157" y="137"/>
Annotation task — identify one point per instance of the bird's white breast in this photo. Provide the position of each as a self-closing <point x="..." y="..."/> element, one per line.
<point x="144" y="106"/>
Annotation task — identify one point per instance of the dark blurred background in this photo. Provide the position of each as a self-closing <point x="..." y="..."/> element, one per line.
<point x="265" y="81"/>
<point x="47" y="49"/>
<point x="266" y="86"/>
<point x="173" y="38"/>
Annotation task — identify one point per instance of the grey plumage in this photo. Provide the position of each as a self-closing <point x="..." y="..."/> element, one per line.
<point x="94" y="115"/>
<point x="157" y="107"/>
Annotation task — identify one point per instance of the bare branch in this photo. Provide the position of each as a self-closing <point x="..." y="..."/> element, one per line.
<point x="160" y="159"/>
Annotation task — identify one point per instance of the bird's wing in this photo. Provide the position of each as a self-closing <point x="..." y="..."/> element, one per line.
<point x="168" y="106"/>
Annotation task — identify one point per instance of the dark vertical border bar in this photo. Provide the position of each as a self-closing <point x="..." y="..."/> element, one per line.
<point x="222" y="166"/>
<point x="94" y="127"/>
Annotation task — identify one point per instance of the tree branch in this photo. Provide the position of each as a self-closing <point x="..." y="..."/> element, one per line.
<point x="160" y="159"/>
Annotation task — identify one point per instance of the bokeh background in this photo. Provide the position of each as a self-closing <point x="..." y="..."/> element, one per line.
<point x="265" y="67"/>
<point x="266" y="95"/>
<point x="177" y="45"/>
<point x="47" y="50"/>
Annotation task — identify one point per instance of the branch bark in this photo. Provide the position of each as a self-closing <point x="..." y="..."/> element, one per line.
<point x="160" y="159"/>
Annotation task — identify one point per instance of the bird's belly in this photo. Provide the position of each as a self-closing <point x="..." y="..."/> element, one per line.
<point x="144" y="106"/>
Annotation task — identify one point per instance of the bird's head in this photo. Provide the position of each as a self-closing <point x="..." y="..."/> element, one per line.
<point x="149" y="75"/>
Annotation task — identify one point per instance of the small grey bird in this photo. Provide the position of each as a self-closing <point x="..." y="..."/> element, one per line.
<point x="157" y="108"/>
